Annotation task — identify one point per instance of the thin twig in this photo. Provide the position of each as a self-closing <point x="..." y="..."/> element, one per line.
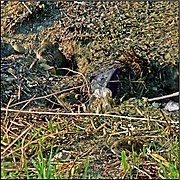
<point x="164" y="97"/>
<point x="81" y="75"/>
<point x="42" y="97"/>
<point x="77" y="2"/>
<point x="86" y="114"/>
<point x="32" y="142"/>
<point x="18" y="112"/>
<point x="24" y="107"/>
<point x="143" y="172"/>
<point x="16" y="139"/>
<point x="10" y="101"/>
<point x="27" y="7"/>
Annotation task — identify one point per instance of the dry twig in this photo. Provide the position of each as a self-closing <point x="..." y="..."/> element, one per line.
<point x="27" y="7"/>
<point x="164" y="97"/>
<point x="16" y="139"/>
<point x="88" y="114"/>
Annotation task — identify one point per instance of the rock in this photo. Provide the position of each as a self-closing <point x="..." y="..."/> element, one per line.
<point x="167" y="56"/>
<point x="172" y="106"/>
<point x="107" y="79"/>
<point x="6" y="49"/>
<point x="48" y="68"/>
<point x="18" y="48"/>
<point x="101" y="101"/>
<point x="50" y="54"/>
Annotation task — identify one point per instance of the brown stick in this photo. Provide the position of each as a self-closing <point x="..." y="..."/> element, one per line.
<point x="86" y="114"/>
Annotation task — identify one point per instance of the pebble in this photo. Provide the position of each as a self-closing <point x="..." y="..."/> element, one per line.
<point x="11" y="71"/>
<point x="172" y="106"/>
<point x="156" y="105"/>
<point x="18" y="48"/>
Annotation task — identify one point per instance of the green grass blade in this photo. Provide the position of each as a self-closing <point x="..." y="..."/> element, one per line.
<point x="86" y="169"/>
<point x="26" y="168"/>
<point x="124" y="161"/>
<point x="51" y="126"/>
